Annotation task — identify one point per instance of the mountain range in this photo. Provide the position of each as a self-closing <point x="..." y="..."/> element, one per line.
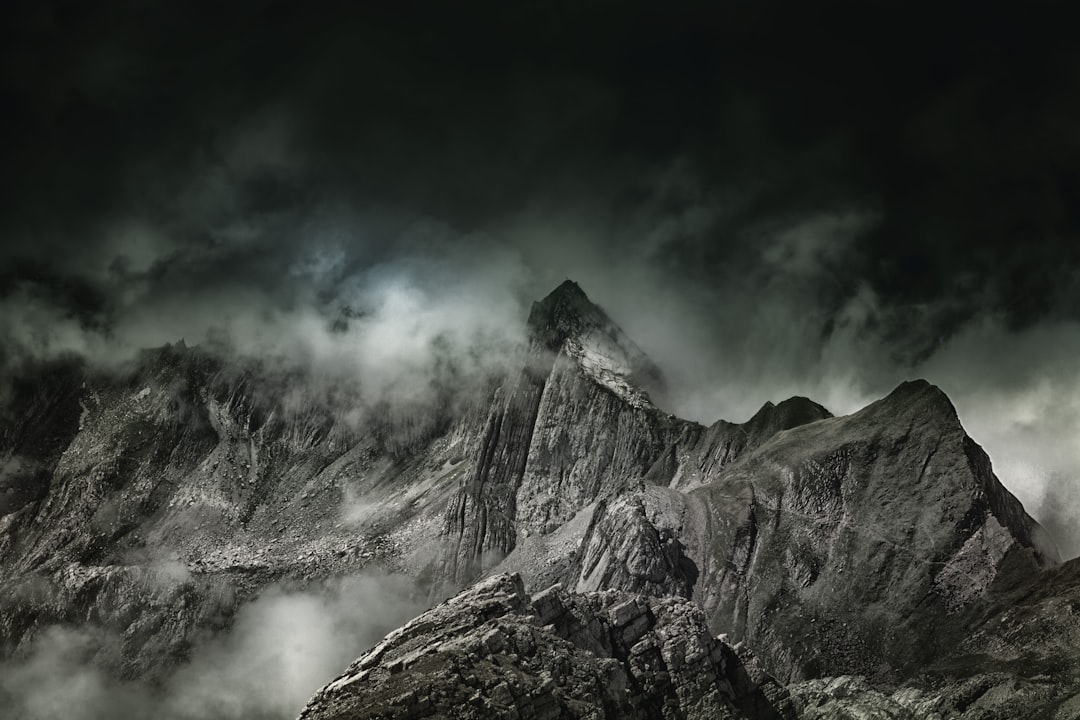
<point x="583" y="552"/>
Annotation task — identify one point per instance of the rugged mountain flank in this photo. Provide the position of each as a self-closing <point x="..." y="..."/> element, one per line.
<point x="574" y="430"/>
<point x="865" y="534"/>
<point x="845" y="546"/>
<point x="572" y="427"/>
<point x="154" y="502"/>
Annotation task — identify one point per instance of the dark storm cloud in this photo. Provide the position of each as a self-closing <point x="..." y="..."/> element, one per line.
<point x="820" y="199"/>
<point x="956" y="126"/>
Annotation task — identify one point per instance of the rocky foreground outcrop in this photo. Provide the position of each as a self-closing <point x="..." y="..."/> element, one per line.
<point x="494" y="652"/>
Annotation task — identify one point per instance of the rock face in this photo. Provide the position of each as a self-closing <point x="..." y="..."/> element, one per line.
<point x="844" y="546"/>
<point x="493" y="651"/>
<point x="853" y="558"/>
<point x="568" y="433"/>
<point x="155" y="502"/>
<point x="569" y="429"/>
<point x="830" y="545"/>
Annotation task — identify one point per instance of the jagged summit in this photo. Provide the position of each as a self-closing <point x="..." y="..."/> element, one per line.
<point x="565" y="311"/>
<point x="915" y="401"/>
<point x="796" y="410"/>
<point x="566" y="320"/>
<point x="568" y="289"/>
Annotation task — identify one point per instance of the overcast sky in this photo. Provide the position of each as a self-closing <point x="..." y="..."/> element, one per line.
<point x="771" y="199"/>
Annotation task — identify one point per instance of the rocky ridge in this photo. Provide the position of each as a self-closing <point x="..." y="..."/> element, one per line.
<point x="492" y="652"/>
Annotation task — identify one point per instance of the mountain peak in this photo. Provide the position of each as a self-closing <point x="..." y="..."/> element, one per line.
<point x="922" y="398"/>
<point x="569" y="288"/>
<point x="567" y="320"/>
<point x="793" y="412"/>
<point x="565" y="311"/>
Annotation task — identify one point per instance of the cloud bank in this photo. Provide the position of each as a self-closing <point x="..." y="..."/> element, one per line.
<point x="281" y="649"/>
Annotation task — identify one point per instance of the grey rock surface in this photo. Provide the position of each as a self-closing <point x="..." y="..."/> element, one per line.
<point x="492" y="651"/>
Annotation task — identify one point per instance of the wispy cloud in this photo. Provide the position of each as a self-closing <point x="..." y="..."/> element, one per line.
<point x="281" y="648"/>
